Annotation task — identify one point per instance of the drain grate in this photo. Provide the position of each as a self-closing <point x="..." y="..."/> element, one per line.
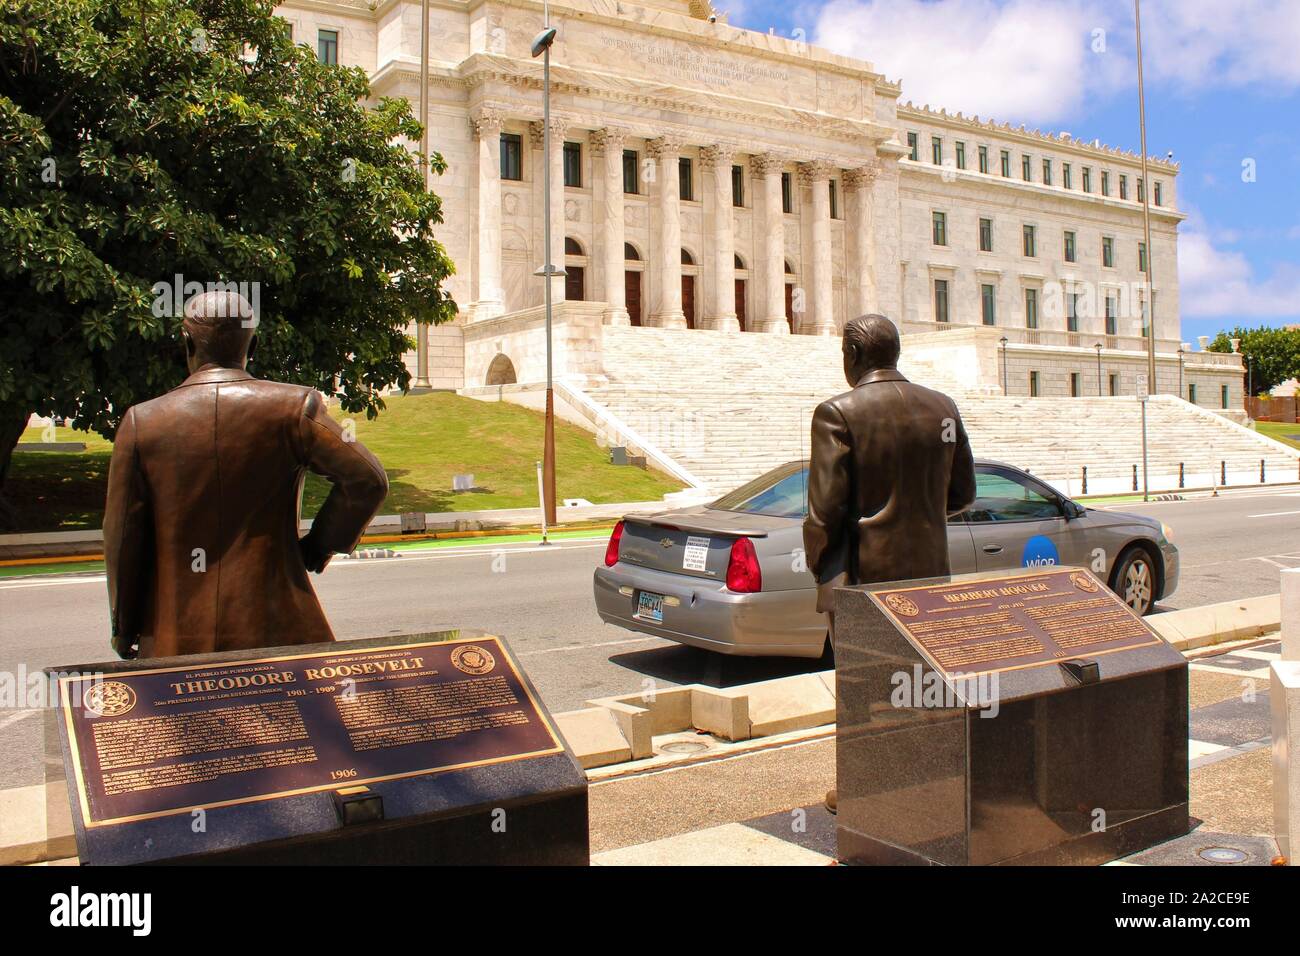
<point x="684" y="747"/>
<point x="1222" y="854"/>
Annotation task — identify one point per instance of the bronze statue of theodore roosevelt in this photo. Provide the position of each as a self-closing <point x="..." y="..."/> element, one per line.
<point x="204" y="490"/>
<point x="890" y="463"/>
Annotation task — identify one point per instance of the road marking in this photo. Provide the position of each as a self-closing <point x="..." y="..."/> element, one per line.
<point x="1274" y="514"/>
<point x="583" y="647"/>
<point x="58" y="582"/>
<point x="1276" y="564"/>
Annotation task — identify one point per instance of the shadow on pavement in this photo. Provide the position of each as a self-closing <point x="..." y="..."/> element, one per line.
<point x="690" y="665"/>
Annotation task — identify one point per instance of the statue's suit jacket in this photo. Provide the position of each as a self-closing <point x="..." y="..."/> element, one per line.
<point x="201" y="525"/>
<point x="890" y="463"/>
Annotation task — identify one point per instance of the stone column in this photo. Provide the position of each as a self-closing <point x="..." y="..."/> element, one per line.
<point x="861" y="247"/>
<point x="1291" y="614"/>
<point x="771" y="248"/>
<point x="817" y="176"/>
<point x="666" y="153"/>
<point x="488" y="296"/>
<point x="718" y="158"/>
<point x="559" y="129"/>
<point x="607" y="146"/>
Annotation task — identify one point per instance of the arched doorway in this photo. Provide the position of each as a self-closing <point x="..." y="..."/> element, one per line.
<point x="632" y="271"/>
<point x="688" y="288"/>
<point x="741" y="282"/>
<point x="501" y="371"/>
<point x="575" y="267"/>
<point x="789" y="295"/>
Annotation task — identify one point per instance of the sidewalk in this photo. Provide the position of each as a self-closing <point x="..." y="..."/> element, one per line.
<point x="765" y="807"/>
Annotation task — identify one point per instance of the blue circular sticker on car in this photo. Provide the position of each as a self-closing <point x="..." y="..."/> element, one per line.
<point x="1040" y="552"/>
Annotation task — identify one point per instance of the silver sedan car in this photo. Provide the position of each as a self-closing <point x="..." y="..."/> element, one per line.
<point x="729" y="576"/>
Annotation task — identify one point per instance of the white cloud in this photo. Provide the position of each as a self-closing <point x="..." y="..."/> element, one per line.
<point x="1033" y="60"/>
<point x="1215" y="282"/>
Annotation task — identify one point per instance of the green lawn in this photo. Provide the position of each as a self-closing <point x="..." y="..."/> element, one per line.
<point x="422" y="441"/>
<point x="1284" y="432"/>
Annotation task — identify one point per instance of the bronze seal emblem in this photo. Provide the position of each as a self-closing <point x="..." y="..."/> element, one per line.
<point x="108" y="699"/>
<point x="1083" y="583"/>
<point x="901" y="604"/>
<point x="473" y="659"/>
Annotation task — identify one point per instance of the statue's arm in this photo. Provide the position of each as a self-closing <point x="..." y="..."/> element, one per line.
<point x="127" y="520"/>
<point x="359" y="484"/>
<point x="829" y="486"/>
<point x="961" y="481"/>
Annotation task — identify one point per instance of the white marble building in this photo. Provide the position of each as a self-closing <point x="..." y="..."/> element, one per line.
<point x="722" y="179"/>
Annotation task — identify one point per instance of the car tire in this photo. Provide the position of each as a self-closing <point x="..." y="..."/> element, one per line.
<point x="1135" y="579"/>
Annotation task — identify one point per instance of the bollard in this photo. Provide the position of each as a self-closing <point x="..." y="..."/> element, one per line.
<point x="1085" y="480"/>
<point x="1223" y="473"/>
<point x="1180" y="476"/>
<point x="1135" y="477"/>
<point x="1261" y="471"/>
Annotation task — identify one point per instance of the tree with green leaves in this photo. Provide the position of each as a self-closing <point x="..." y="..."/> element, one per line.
<point x="147" y="145"/>
<point x="1273" y="354"/>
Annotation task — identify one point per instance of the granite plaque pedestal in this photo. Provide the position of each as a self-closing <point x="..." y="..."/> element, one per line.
<point x="427" y="748"/>
<point x="1005" y="718"/>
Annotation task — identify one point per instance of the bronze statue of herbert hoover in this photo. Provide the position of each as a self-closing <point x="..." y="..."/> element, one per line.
<point x="204" y="492"/>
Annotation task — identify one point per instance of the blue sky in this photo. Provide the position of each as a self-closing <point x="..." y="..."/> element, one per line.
<point x="1222" y="88"/>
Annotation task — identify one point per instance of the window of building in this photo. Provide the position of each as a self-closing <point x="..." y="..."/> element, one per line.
<point x="1047" y="172"/>
<point x="631" y="172"/>
<point x="1142" y="190"/>
<point x="1076" y="385"/>
<point x="1069" y="246"/>
<point x="1159" y="200"/>
<point x="911" y="145"/>
<point x="941" y="300"/>
<point x="573" y="164"/>
<point x="1142" y="256"/>
<point x="1067" y="180"/>
<point x="835" y="199"/>
<point x="327" y="46"/>
<point x="1105" y="183"/>
<point x="1191" y="393"/>
<point x="1026" y="169"/>
<point x="961" y="155"/>
<point x="1108" y="252"/>
<point x="685" y="179"/>
<point x="787" y="193"/>
<point x="1033" y="384"/>
<point x="1123" y="187"/>
<point x="1087" y="179"/>
<point x="1112" y="314"/>
<point x="1031" y="308"/>
<point x="939" y="222"/>
<point x="1223" y="396"/>
<point x="984" y="159"/>
<point x="1112" y="382"/>
<point x="1006" y="163"/>
<point x="1142" y="310"/>
<point x="988" y="304"/>
<point x="738" y="185"/>
<point x="936" y="150"/>
<point x="1072" y="312"/>
<point x="1031" y="246"/>
<point x="986" y="235"/>
<point x="512" y="149"/>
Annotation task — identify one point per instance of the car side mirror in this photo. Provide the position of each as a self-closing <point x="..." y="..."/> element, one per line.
<point x="1072" y="510"/>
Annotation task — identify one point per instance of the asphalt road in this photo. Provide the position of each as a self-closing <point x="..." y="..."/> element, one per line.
<point x="540" y="600"/>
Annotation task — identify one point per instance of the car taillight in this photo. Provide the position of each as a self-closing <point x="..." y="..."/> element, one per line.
<point x="611" y="549"/>
<point x="743" y="573"/>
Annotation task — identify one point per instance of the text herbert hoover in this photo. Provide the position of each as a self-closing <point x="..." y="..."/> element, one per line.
<point x="264" y="679"/>
<point x="1011" y="590"/>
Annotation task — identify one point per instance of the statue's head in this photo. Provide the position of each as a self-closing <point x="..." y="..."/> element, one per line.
<point x="870" y="342"/>
<point x="219" y="328"/>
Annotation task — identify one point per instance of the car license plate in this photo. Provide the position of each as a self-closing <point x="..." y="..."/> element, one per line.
<point x="650" y="607"/>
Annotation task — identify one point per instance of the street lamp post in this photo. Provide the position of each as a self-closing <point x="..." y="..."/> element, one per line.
<point x="1003" y="340"/>
<point x="421" y="329"/>
<point x="542" y="47"/>
<point x="1182" y="350"/>
<point x="1098" y="348"/>
<point x="1146" y="204"/>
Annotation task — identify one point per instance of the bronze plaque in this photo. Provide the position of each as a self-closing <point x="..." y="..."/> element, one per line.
<point x="1017" y="620"/>
<point x="150" y="743"/>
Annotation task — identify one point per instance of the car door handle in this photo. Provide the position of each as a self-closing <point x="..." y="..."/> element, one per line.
<point x="992" y="549"/>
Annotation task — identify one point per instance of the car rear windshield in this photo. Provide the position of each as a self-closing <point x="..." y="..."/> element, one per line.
<point x="782" y="493"/>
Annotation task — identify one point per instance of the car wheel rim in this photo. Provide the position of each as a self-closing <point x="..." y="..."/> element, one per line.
<point x="1137" y="586"/>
